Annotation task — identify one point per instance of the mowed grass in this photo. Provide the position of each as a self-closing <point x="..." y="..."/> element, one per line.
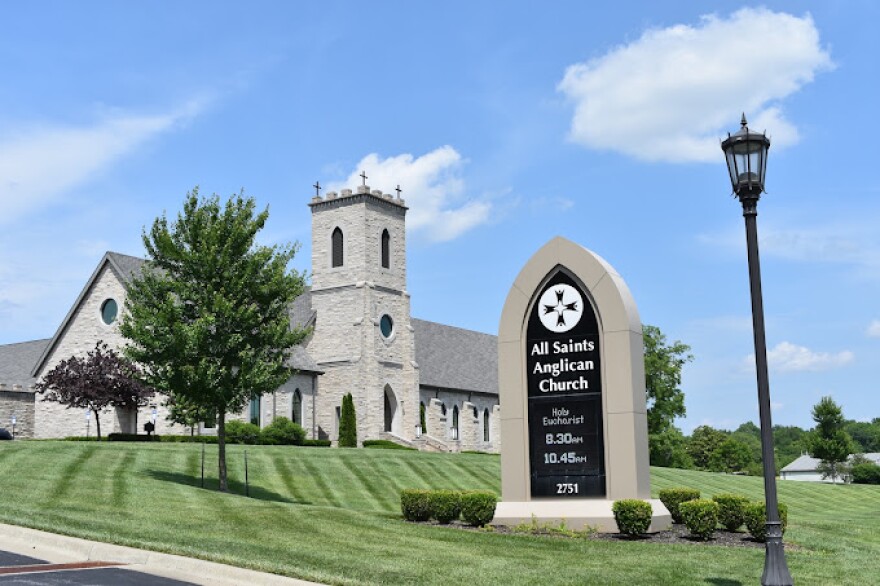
<point x="332" y="515"/>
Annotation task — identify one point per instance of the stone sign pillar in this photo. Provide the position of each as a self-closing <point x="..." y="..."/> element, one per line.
<point x="571" y="374"/>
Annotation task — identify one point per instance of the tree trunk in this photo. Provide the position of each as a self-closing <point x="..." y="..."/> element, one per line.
<point x="221" y="449"/>
<point x="97" y="423"/>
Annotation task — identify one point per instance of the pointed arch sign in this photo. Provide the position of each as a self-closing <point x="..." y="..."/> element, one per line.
<point x="574" y="432"/>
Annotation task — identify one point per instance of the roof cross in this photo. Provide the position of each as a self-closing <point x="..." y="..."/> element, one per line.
<point x="317" y="187"/>
<point x="363" y="176"/>
<point x="398" y="190"/>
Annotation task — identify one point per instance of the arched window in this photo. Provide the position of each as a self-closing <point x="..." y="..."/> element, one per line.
<point x="296" y="407"/>
<point x="386" y="249"/>
<point x="455" y="422"/>
<point x="337" y="248"/>
<point x="254" y="413"/>
<point x="486" y="425"/>
<point x="422" y="422"/>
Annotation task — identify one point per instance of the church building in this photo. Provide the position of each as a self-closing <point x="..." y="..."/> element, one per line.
<point x="364" y="342"/>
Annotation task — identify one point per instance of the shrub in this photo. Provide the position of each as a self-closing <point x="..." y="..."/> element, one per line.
<point x="317" y="443"/>
<point x="673" y="497"/>
<point x="132" y="437"/>
<point x="731" y="510"/>
<point x="347" y="424"/>
<point x="239" y="432"/>
<point x="415" y="504"/>
<point x="385" y="445"/>
<point x="187" y="439"/>
<point x="445" y="505"/>
<point x="283" y="432"/>
<point x="865" y="473"/>
<point x="478" y="507"/>
<point x="700" y="516"/>
<point x="756" y="519"/>
<point x="633" y="516"/>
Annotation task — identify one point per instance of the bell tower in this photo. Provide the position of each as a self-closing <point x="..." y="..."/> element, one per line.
<point x="363" y="339"/>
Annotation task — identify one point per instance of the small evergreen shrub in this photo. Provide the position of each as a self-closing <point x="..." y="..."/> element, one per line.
<point x="633" y="516"/>
<point x="700" y="516"/>
<point x="347" y="424"/>
<point x="239" y="432"/>
<point x="415" y="504"/>
<point x="673" y="497"/>
<point x="756" y="519"/>
<point x="283" y="432"/>
<point x="731" y="510"/>
<point x="385" y="445"/>
<point x="478" y="507"/>
<point x="317" y="443"/>
<point x="445" y="505"/>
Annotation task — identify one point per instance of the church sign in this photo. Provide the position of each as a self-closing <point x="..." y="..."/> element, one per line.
<point x="574" y="431"/>
<point x="563" y="368"/>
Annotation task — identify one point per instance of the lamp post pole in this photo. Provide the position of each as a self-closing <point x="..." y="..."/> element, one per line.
<point x="746" y="154"/>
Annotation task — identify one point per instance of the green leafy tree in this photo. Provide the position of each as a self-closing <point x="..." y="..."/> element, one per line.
<point x="348" y="424"/>
<point x="702" y="443"/>
<point x="789" y="442"/>
<point x="208" y="319"/>
<point x="663" y="364"/>
<point x="828" y="441"/>
<point x="102" y="379"/>
<point x="732" y="455"/>
<point x="669" y="449"/>
<point x="865" y="434"/>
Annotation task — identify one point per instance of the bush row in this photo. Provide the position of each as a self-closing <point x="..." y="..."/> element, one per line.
<point x="385" y="445"/>
<point x="476" y="507"/>
<point x="701" y="516"/>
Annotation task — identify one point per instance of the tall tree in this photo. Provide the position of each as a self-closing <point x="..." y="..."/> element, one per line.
<point x="348" y="424"/>
<point x="663" y="364"/>
<point x="102" y="379"/>
<point x="828" y="441"/>
<point x="702" y="444"/>
<point x="209" y="318"/>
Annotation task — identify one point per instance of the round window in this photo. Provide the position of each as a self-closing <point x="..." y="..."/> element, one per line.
<point x="386" y="326"/>
<point x="109" y="309"/>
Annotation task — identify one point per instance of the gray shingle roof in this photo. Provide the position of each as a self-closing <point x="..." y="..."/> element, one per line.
<point x="806" y="463"/>
<point x="455" y="358"/>
<point x="128" y="266"/>
<point x="17" y="361"/>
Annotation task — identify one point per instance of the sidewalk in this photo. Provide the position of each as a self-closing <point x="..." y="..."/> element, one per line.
<point x="60" y="549"/>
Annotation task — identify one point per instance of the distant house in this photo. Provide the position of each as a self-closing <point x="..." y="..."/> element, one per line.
<point x="807" y="468"/>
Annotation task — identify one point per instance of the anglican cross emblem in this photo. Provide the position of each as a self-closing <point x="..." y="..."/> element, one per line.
<point x="560" y="308"/>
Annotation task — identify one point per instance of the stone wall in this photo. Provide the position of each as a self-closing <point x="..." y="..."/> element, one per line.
<point x="20" y="403"/>
<point x="470" y="427"/>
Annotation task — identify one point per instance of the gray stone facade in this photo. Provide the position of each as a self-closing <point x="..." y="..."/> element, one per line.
<point x="17" y="403"/>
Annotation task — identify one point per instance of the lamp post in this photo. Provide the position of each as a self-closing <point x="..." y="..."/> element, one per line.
<point x="746" y="154"/>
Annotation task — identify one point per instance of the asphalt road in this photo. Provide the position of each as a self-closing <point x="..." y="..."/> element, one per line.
<point x="27" y="571"/>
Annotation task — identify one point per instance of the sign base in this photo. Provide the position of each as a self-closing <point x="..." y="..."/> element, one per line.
<point x="577" y="514"/>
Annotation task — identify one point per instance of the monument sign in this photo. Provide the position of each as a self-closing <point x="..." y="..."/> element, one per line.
<point x="574" y="432"/>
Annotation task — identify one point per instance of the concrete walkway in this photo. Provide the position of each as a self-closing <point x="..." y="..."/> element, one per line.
<point x="60" y="549"/>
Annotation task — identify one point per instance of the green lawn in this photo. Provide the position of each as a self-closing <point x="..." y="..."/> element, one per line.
<point x="331" y="515"/>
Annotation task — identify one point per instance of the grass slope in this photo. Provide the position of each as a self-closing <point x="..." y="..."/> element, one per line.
<point x="331" y="515"/>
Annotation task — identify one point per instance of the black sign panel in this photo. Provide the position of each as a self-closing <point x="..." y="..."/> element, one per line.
<point x="566" y="444"/>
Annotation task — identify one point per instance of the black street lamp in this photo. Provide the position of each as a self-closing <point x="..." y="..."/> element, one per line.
<point x="746" y="154"/>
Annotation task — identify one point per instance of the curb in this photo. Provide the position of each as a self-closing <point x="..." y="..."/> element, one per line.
<point x="62" y="549"/>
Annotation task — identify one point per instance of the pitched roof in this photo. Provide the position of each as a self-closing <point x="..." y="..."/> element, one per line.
<point x="17" y="361"/>
<point x="455" y="358"/>
<point x="806" y="463"/>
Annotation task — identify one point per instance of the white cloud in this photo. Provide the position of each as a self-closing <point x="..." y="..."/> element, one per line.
<point x="39" y="164"/>
<point x="874" y="329"/>
<point x="788" y="357"/>
<point x="670" y="95"/>
<point x="432" y="187"/>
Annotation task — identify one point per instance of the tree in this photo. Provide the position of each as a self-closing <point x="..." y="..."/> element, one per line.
<point x="663" y="364"/>
<point x="208" y="319"/>
<point x="348" y="424"/>
<point x="669" y="449"/>
<point x="103" y="378"/>
<point x="790" y="443"/>
<point x="732" y="455"/>
<point x="865" y="434"/>
<point x="828" y="441"/>
<point x="702" y="443"/>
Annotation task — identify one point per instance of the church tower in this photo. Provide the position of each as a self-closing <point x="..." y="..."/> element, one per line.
<point x="363" y="339"/>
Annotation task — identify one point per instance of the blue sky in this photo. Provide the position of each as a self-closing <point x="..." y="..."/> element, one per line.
<point x="505" y="124"/>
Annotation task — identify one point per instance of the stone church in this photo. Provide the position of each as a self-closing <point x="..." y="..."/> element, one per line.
<point x="364" y="341"/>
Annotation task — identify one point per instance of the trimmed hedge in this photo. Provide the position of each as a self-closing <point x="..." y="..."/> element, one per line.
<point x="188" y="439"/>
<point x="445" y="505"/>
<point x="386" y="445"/>
<point x="415" y="504"/>
<point x="282" y="432"/>
<point x="756" y="519"/>
<point x="673" y="497"/>
<point x="478" y="507"/>
<point x="700" y="516"/>
<point x="132" y="437"/>
<point x="731" y="510"/>
<point x="633" y="516"/>
<point x="317" y="443"/>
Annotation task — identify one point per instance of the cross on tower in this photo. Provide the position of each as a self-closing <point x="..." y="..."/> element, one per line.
<point x="398" y="190"/>
<point x="364" y="177"/>
<point x="317" y="187"/>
